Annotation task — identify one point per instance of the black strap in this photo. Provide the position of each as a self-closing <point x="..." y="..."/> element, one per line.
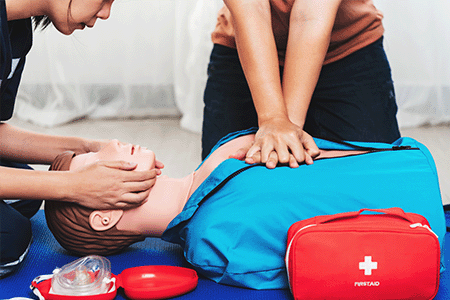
<point x="447" y="210"/>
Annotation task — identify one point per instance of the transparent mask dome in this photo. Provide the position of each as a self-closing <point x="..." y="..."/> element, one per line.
<point x="90" y="275"/>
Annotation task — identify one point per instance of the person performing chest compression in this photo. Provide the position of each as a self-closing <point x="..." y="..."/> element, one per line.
<point x="297" y="68"/>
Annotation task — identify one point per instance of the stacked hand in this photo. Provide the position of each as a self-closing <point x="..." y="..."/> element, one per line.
<point x="279" y="141"/>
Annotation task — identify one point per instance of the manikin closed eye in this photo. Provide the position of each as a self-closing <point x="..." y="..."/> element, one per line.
<point x="114" y="151"/>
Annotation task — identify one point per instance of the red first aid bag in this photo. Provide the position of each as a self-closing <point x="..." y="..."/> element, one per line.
<point x="387" y="254"/>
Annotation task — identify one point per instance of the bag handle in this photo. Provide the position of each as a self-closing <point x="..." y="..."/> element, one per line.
<point x="394" y="211"/>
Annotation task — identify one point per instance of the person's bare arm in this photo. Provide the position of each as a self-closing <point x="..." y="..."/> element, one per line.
<point x="112" y="185"/>
<point x="310" y="27"/>
<point x="35" y="148"/>
<point x="277" y="135"/>
<point x="258" y="55"/>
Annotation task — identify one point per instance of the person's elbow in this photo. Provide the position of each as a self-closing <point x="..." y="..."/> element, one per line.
<point x="314" y="13"/>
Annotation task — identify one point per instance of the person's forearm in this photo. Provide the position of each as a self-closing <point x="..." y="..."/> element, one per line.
<point x="29" y="147"/>
<point x="310" y="26"/>
<point x="30" y="184"/>
<point x="258" y="55"/>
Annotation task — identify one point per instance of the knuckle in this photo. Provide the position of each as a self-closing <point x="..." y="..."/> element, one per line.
<point x="283" y="159"/>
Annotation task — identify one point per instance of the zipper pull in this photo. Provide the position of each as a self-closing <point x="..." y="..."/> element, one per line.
<point x="415" y="225"/>
<point x="401" y="147"/>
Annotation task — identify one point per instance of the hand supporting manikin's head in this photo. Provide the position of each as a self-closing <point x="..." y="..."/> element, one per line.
<point x="86" y="231"/>
<point x="114" y="151"/>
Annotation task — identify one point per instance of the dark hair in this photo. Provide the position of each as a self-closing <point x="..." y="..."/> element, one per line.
<point x="41" y="22"/>
<point x="44" y="21"/>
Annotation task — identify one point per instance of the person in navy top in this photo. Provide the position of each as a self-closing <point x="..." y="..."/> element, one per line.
<point x="125" y="186"/>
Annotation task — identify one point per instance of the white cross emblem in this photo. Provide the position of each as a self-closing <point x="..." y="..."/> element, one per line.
<point x="368" y="265"/>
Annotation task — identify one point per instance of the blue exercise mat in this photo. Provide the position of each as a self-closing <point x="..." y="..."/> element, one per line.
<point x="46" y="254"/>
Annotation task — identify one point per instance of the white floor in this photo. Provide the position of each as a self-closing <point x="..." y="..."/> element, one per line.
<point x="180" y="150"/>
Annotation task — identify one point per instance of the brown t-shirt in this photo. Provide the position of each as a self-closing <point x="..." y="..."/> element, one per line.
<point x="357" y="24"/>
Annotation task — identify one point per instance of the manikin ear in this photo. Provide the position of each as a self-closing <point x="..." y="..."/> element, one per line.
<point x="101" y="220"/>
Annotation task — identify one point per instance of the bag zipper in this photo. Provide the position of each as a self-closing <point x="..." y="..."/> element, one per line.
<point x="371" y="149"/>
<point x="416" y="225"/>
<point x="290" y="244"/>
<point x="367" y="150"/>
<point x="357" y="147"/>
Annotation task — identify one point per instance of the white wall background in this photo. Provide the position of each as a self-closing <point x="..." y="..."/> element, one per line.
<point x="150" y="59"/>
<point x="418" y="47"/>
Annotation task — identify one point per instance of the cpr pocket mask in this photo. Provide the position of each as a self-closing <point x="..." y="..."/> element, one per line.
<point x="90" y="277"/>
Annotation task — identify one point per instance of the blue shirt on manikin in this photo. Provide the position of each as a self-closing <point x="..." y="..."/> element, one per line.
<point x="15" y="42"/>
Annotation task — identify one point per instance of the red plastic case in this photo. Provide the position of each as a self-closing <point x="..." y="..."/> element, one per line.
<point x="146" y="282"/>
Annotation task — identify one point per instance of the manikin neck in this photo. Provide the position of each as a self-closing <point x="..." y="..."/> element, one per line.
<point x="168" y="196"/>
<point x="166" y="200"/>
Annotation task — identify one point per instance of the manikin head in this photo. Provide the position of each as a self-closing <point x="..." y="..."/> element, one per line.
<point x="85" y="231"/>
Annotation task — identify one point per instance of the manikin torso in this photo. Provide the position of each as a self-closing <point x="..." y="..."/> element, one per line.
<point x="168" y="195"/>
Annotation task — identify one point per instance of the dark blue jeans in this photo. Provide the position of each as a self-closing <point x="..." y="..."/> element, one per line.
<point x="354" y="99"/>
<point x="15" y="227"/>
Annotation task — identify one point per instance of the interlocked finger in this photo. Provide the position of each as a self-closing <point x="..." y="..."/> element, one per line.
<point x="272" y="161"/>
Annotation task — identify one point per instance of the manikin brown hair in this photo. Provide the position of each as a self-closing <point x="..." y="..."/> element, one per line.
<point x="69" y="223"/>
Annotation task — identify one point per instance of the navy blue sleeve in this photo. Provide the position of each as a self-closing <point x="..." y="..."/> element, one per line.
<point x="15" y="42"/>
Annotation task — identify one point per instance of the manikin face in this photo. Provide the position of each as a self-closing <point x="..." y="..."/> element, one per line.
<point x="164" y="202"/>
<point x="144" y="158"/>
<point x="68" y="15"/>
